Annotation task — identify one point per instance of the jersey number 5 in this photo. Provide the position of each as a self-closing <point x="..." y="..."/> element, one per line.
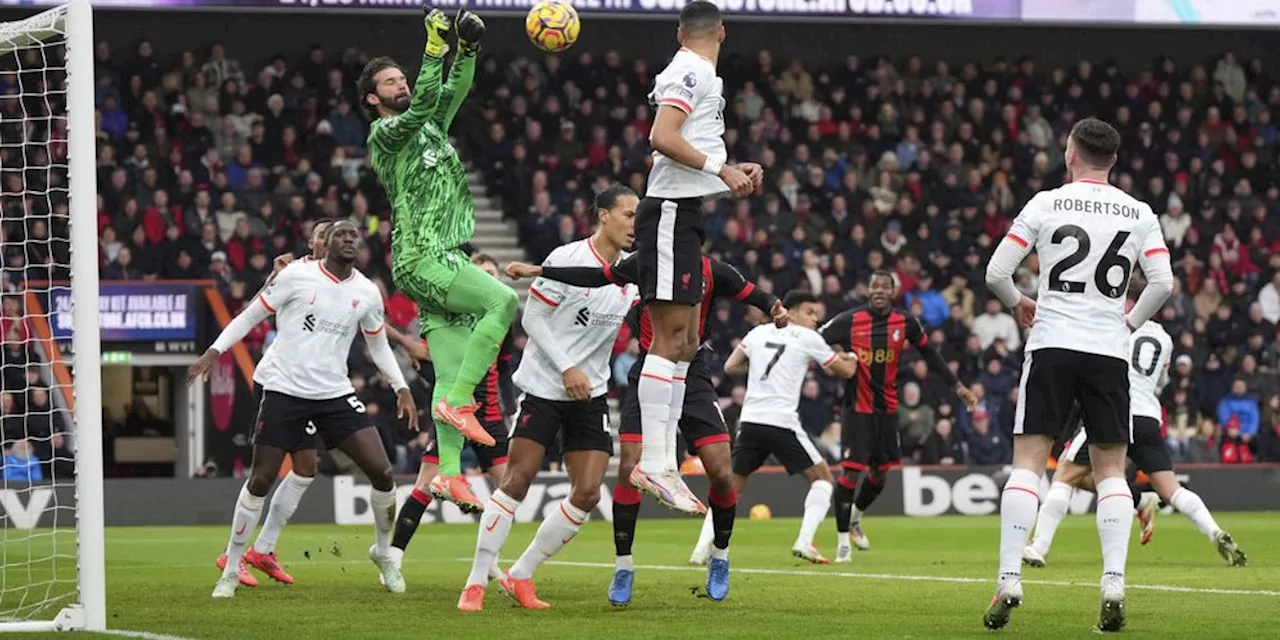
<point x="1110" y="259"/>
<point x="356" y="404"/>
<point x="778" y="348"/>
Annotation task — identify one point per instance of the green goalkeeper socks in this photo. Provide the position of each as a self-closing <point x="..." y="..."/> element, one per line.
<point x="448" y="345"/>
<point x="476" y="292"/>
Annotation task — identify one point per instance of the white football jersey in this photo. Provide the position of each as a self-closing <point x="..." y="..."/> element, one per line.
<point x="1089" y="235"/>
<point x="586" y="322"/>
<point x="316" y="319"/>
<point x="690" y="83"/>
<point x="778" y="361"/>
<point x="1150" y="350"/>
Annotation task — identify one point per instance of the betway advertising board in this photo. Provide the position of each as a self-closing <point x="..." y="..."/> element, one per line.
<point x="913" y="491"/>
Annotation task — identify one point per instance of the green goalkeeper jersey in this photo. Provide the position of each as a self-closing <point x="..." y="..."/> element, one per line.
<point x="422" y="173"/>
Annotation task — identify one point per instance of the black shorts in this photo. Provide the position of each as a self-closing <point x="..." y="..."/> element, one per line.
<point x="1053" y="380"/>
<point x="701" y="422"/>
<point x="669" y="237"/>
<point x="756" y="442"/>
<point x="1147" y="451"/>
<point x="295" y="424"/>
<point x="576" y="426"/>
<point x="489" y="456"/>
<point x="869" y="441"/>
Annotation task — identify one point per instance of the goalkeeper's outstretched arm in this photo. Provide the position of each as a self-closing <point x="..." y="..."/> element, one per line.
<point x="390" y="133"/>
<point x="470" y="28"/>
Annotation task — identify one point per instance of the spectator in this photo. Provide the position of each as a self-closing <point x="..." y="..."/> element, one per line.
<point x="1240" y="410"/>
<point x="915" y="420"/>
<point x="1269" y="299"/>
<point x="987" y="446"/>
<point x="1236" y="447"/>
<point x="21" y="464"/>
<point x="935" y="309"/>
<point x="995" y="323"/>
<point x="942" y="447"/>
<point x="1269" y="434"/>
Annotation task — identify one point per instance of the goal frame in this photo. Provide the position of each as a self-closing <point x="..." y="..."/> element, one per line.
<point x="89" y="611"/>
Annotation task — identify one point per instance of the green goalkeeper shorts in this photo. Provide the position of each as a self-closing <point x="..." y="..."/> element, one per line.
<point x="426" y="280"/>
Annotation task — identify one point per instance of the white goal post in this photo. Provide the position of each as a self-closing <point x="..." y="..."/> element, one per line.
<point x="50" y="581"/>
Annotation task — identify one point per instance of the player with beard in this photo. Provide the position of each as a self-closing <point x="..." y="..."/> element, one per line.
<point x="701" y="422"/>
<point x="307" y="391"/>
<point x="285" y="499"/>
<point x="876" y="333"/>
<point x="564" y="374"/>
<point x="426" y="183"/>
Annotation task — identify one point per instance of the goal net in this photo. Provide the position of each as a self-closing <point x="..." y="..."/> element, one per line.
<point x="51" y="497"/>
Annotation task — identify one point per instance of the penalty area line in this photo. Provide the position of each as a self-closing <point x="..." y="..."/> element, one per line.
<point x="1167" y="588"/>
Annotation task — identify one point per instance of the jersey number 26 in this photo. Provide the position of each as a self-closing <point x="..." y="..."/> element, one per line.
<point x="1110" y="259"/>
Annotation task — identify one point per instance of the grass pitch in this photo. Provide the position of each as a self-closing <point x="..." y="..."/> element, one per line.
<point x="923" y="578"/>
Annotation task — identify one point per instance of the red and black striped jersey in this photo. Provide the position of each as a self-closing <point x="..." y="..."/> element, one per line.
<point x="489" y="392"/>
<point x="877" y="339"/>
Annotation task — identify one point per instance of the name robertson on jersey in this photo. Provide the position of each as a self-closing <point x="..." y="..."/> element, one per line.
<point x="1095" y="206"/>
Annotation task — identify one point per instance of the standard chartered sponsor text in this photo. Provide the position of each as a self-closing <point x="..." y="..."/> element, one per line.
<point x="851" y="7"/>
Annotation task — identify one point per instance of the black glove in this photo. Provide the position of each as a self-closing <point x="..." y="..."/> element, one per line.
<point x="470" y="28"/>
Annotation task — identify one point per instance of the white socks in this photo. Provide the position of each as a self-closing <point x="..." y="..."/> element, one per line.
<point x="383" y="504"/>
<point x="1190" y="504"/>
<point x="624" y="563"/>
<point x="654" y="391"/>
<point x="555" y="532"/>
<point x="816" y="504"/>
<point x="1052" y="512"/>
<point x="1115" y="521"/>
<point x="1018" y="504"/>
<point x="708" y="533"/>
<point x="283" y="503"/>
<point x="243" y="522"/>
<point x="842" y="539"/>
<point x="495" y="526"/>
<point x="678" y="386"/>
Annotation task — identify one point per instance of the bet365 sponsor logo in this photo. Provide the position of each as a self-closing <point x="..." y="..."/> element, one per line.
<point x="973" y="494"/>
<point x="351" y="501"/>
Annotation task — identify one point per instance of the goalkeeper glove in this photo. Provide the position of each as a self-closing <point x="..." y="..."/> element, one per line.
<point x="437" y="25"/>
<point x="470" y="30"/>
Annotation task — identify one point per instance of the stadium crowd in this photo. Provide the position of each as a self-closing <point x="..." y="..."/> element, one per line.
<point x="209" y="167"/>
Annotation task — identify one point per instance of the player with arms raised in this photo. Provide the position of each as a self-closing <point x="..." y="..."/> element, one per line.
<point x="876" y="333"/>
<point x="688" y="167"/>
<point x="285" y="499"/>
<point x="1088" y="235"/>
<point x="1150" y="349"/>
<point x="564" y="373"/>
<point x="434" y="216"/>
<point x="776" y="361"/>
<point x="306" y="391"/>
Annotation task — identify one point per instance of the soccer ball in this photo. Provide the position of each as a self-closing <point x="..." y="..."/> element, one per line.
<point x="761" y="512"/>
<point x="552" y="25"/>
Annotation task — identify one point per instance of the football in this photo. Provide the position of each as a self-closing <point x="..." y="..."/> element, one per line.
<point x="760" y="512"/>
<point x="552" y="25"/>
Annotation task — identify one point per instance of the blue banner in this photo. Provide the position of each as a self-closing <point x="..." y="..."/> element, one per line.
<point x="133" y="312"/>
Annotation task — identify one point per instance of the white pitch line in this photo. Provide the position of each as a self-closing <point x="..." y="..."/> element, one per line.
<point x="144" y="635"/>
<point x="1168" y="588"/>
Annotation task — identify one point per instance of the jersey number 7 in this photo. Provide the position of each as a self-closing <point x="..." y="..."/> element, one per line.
<point x="778" y="348"/>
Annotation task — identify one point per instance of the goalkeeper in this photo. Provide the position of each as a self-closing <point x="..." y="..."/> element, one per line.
<point x="465" y="312"/>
